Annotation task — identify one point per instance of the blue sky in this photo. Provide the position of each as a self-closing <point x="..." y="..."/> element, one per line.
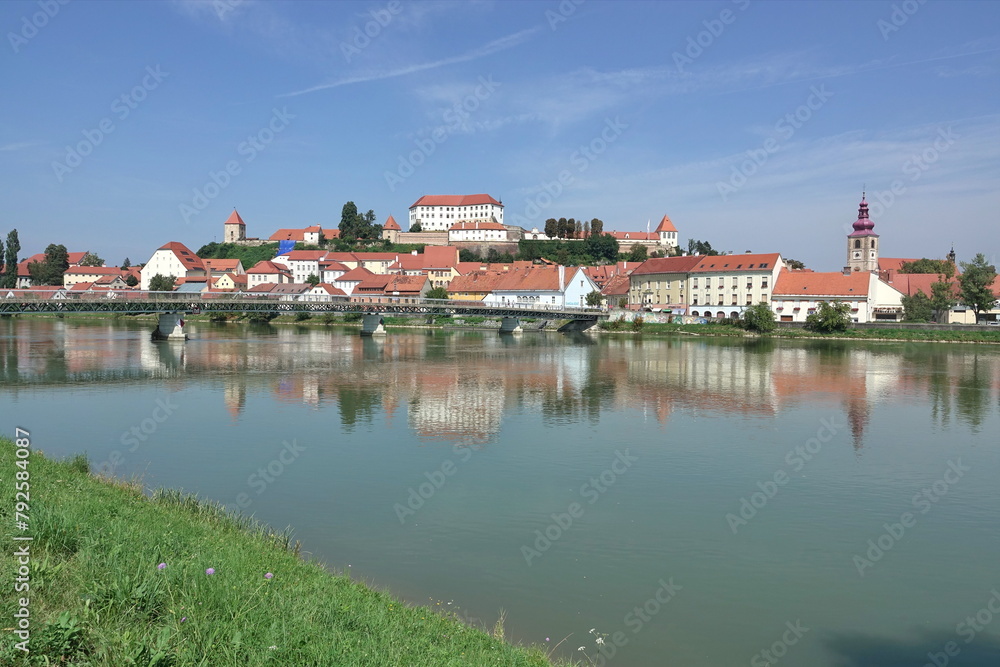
<point x="753" y="125"/>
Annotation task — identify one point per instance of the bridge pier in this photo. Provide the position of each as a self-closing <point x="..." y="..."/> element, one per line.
<point x="373" y="325"/>
<point x="170" y="327"/>
<point x="577" y="325"/>
<point x="510" y="325"/>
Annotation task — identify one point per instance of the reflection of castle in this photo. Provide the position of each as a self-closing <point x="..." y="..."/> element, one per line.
<point x="449" y="407"/>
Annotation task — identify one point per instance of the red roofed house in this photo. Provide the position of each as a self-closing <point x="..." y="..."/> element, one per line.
<point x="476" y="230"/>
<point x="391" y="230"/>
<point x="437" y="213"/>
<point x="661" y="284"/>
<point x="234" y="229"/>
<point x="308" y="235"/>
<point x="302" y="263"/>
<point x="330" y="270"/>
<point x="220" y="267"/>
<point x="266" y="271"/>
<point x="390" y="288"/>
<point x="555" y="286"/>
<point x="88" y="274"/>
<point x="724" y="285"/>
<point x="322" y="292"/>
<point x="172" y="259"/>
<point x="797" y="294"/>
<point x="350" y="280"/>
<point x="24" y="274"/>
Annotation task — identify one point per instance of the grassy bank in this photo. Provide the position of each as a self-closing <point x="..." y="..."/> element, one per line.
<point x="118" y="578"/>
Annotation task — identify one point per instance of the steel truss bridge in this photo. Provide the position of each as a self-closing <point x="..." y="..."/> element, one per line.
<point x="17" y="302"/>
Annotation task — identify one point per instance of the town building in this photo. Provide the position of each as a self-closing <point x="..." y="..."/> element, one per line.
<point x="477" y="230"/>
<point x="797" y="294"/>
<point x="266" y="271"/>
<point x="172" y="259"/>
<point x="391" y="230"/>
<point x="219" y="267"/>
<point x="555" y="286"/>
<point x="89" y="274"/>
<point x="302" y="263"/>
<point x="724" y="285"/>
<point x="660" y="284"/>
<point x="437" y="213"/>
<point x="862" y="243"/>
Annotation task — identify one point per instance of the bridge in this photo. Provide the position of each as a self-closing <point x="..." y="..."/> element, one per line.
<point x="172" y="305"/>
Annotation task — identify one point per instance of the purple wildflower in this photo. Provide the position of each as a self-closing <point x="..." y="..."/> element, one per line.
<point x="268" y="575"/>
<point x="210" y="571"/>
<point x="161" y="566"/>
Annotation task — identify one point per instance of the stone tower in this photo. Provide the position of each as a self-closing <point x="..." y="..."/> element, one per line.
<point x="234" y="230"/>
<point x="862" y="243"/>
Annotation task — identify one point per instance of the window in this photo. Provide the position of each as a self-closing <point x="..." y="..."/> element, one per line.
<point x="857" y="243"/>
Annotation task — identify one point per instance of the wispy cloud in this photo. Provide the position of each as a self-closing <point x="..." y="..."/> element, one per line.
<point x="497" y="45"/>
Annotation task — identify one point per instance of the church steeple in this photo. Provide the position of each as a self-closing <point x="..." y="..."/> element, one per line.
<point x="862" y="243"/>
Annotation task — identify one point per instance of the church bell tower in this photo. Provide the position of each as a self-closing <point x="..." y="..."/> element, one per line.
<point x="862" y="243"/>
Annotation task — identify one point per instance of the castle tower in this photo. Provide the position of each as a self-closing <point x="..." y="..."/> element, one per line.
<point x="862" y="243"/>
<point x="391" y="230"/>
<point x="667" y="232"/>
<point x="234" y="229"/>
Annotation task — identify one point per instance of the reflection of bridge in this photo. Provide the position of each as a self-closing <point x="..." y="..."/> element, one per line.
<point x="171" y="304"/>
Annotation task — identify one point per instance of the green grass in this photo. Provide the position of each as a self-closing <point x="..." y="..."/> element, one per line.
<point x="98" y="598"/>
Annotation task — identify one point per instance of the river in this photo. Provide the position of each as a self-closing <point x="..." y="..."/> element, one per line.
<point x="696" y="501"/>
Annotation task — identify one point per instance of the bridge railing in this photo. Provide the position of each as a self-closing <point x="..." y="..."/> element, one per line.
<point x="187" y="300"/>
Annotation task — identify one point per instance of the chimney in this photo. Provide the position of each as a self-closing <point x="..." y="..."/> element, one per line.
<point x="847" y="270"/>
<point x="562" y="276"/>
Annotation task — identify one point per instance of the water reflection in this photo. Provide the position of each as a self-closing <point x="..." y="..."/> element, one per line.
<point x="566" y="379"/>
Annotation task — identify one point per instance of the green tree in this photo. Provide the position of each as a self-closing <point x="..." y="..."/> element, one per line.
<point x="349" y="220"/>
<point x="759" y="318"/>
<point x="131" y="281"/>
<point x="50" y="270"/>
<point x="917" y="307"/>
<point x="603" y="247"/>
<point x="594" y="298"/>
<point x="91" y="259"/>
<point x="577" y="229"/>
<point x="313" y="279"/>
<point x="126" y="264"/>
<point x="696" y="247"/>
<point x="161" y="283"/>
<point x="596" y="227"/>
<point x="942" y="299"/>
<point x="5" y="268"/>
<point x="438" y="293"/>
<point x="561" y="225"/>
<point x="416" y="227"/>
<point x="638" y="253"/>
<point x="10" y="260"/>
<point x="552" y="228"/>
<point x="925" y="265"/>
<point x="830" y="317"/>
<point x="976" y="285"/>
<point x="794" y="264"/>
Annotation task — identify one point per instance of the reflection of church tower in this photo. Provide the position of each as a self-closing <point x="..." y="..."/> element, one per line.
<point x="235" y="396"/>
<point x="862" y="243"/>
<point x="234" y="229"/>
<point x="857" y="417"/>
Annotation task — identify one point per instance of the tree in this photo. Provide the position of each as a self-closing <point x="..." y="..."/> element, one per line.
<point x="349" y="221"/>
<point x="561" y="228"/>
<point x="830" y="317"/>
<point x="50" y="270"/>
<point x="917" y="307"/>
<point x="161" y="283"/>
<point x="586" y="229"/>
<point x="438" y="293"/>
<point x="596" y="227"/>
<point x="416" y="227"/>
<point x="578" y="230"/>
<point x="552" y="228"/>
<point x="759" y="318"/>
<point x="976" y="285"/>
<point x="10" y="260"/>
<point x="942" y="299"/>
<point x="638" y="253"/>
<point x="594" y="298"/>
<point x="126" y="264"/>
<point x="603" y="247"/>
<point x="696" y="247"/>
<point x="794" y="264"/>
<point x="925" y="265"/>
<point x="5" y="269"/>
<point x="131" y="281"/>
<point x="91" y="259"/>
<point x="313" y="279"/>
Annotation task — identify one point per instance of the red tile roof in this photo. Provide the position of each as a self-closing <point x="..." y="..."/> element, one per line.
<point x="300" y="234"/>
<point x="666" y="225"/>
<point x="892" y="263"/>
<point x="731" y="263"/>
<point x="476" y="282"/>
<point x="267" y="267"/>
<point x="668" y="265"/>
<point x="440" y="256"/>
<point x="93" y="270"/>
<point x="911" y="283"/>
<point x="795" y="283"/>
<point x="305" y="255"/>
<point x="358" y="274"/>
<point x="330" y="289"/>
<point x="617" y="286"/>
<point x="635" y="236"/>
<point x="391" y="225"/>
<point x="475" y="224"/>
<point x="455" y="200"/>
<point x="190" y="260"/>
<point x="221" y="264"/>
<point x="235" y="219"/>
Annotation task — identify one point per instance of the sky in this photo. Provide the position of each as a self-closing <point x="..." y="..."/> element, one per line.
<point x="754" y="125"/>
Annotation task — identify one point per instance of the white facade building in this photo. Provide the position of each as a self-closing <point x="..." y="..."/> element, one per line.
<point x="437" y="213"/>
<point x="173" y="259"/>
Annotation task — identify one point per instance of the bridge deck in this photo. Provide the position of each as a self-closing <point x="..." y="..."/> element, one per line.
<point x="14" y="302"/>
